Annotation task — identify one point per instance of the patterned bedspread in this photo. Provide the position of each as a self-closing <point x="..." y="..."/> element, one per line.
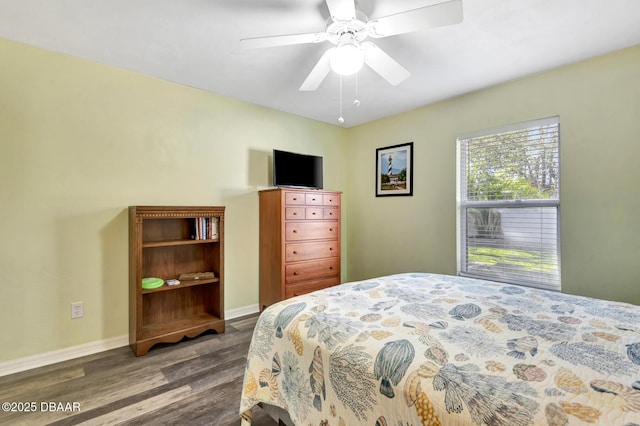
<point x="417" y="348"/>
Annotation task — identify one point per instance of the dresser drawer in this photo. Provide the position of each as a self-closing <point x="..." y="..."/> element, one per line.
<point x="313" y="199"/>
<point x="331" y="200"/>
<point x="298" y="231"/>
<point x="295" y="252"/>
<point x="304" y="288"/>
<point x="292" y="213"/>
<point x="294" y="198"/>
<point x="309" y="271"/>
<point x="314" y="213"/>
<point x="331" y="213"/>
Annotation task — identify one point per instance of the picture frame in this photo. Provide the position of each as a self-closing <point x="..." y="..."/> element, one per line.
<point x="394" y="170"/>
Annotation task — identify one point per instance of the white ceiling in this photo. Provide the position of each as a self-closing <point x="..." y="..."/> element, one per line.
<point x="196" y="43"/>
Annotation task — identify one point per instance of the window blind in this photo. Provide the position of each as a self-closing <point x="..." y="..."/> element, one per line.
<point x="509" y="203"/>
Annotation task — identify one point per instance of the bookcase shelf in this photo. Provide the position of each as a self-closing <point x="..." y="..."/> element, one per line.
<point x="191" y="326"/>
<point x="177" y="243"/>
<point x="163" y="244"/>
<point x="181" y="285"/>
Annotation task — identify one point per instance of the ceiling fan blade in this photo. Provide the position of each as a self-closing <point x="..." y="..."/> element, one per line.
<point x="437" y="15"/>
<point x="342" y="10"/>
<point x="282" y="40"/>
<point x="384" y="64"/>
<point x="318" y="73"/>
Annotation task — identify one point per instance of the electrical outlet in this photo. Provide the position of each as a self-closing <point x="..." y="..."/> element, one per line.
<point x="77" y="310"/>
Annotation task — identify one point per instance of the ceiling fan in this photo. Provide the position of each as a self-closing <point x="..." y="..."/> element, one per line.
<point x="348" y="30"/>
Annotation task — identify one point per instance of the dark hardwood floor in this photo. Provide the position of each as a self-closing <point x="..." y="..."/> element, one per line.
<point x="194" y="382"/>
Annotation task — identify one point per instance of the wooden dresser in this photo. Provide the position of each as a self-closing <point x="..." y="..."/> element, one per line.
<point x="299" y="242"/>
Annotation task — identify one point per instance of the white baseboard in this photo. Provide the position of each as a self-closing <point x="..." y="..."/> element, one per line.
<point x="35" y="361"/>
<point x="240" y="312"/>
<point x="65" y="354"/>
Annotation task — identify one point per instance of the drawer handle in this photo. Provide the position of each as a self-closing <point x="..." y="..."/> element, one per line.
<point x="330" y="249"/>
<point x="295" y="273"/>
<point x="330" y="229"/>
<point x="313" y="214"/>
<point x="295" y="213"/>
<point x="313" y="199"/>
<point x="295" y="231"/>
<point x="331" y="268"/>
<point x="295" y="252"/>
<point x="295" y="199"/>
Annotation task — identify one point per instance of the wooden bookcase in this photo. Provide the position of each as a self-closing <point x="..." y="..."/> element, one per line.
<point x="162" y="245"/>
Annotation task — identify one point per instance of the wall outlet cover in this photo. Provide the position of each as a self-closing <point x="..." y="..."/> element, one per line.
<point x="77" y="310"/>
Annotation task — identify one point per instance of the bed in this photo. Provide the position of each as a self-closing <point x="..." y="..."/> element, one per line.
<point x="419" y="348"/>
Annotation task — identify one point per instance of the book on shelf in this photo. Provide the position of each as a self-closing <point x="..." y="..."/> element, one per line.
<point x="214" y="227"/>
<point x="205" y="228"/>
<point x="192" y="276"/>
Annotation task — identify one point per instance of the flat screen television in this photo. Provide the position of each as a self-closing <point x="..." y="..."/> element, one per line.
<point x="297" y="170"/>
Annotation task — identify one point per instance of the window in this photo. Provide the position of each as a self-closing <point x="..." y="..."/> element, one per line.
<point x="509" y="204"/>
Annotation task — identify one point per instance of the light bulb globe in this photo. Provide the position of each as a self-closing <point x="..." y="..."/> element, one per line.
<point x="346" y="59"/>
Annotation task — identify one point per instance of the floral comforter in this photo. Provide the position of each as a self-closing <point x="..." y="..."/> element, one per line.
<point x="430" y="349"/>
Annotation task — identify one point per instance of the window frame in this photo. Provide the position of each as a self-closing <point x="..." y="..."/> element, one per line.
<point x="462" y="204"/>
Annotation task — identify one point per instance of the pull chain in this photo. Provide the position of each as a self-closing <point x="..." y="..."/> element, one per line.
<point x="341" y="118"/>
<point x="356" y="102"/>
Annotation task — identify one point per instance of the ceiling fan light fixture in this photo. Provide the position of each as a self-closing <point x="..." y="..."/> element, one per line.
<point x="347" y="59"/>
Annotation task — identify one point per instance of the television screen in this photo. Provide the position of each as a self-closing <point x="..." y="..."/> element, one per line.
<point x="297" y="170"/>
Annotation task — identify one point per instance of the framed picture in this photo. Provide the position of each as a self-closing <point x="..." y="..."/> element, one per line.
<point x="394" y="170"/>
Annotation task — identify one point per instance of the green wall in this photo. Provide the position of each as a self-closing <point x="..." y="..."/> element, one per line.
<point x="79" y="142"/>
<point x="598" y="102"/>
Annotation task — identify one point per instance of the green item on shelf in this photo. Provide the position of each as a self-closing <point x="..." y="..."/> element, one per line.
<point x="152" y="282"/>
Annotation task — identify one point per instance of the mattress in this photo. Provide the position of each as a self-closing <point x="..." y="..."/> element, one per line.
<point x="433" y="349"/>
